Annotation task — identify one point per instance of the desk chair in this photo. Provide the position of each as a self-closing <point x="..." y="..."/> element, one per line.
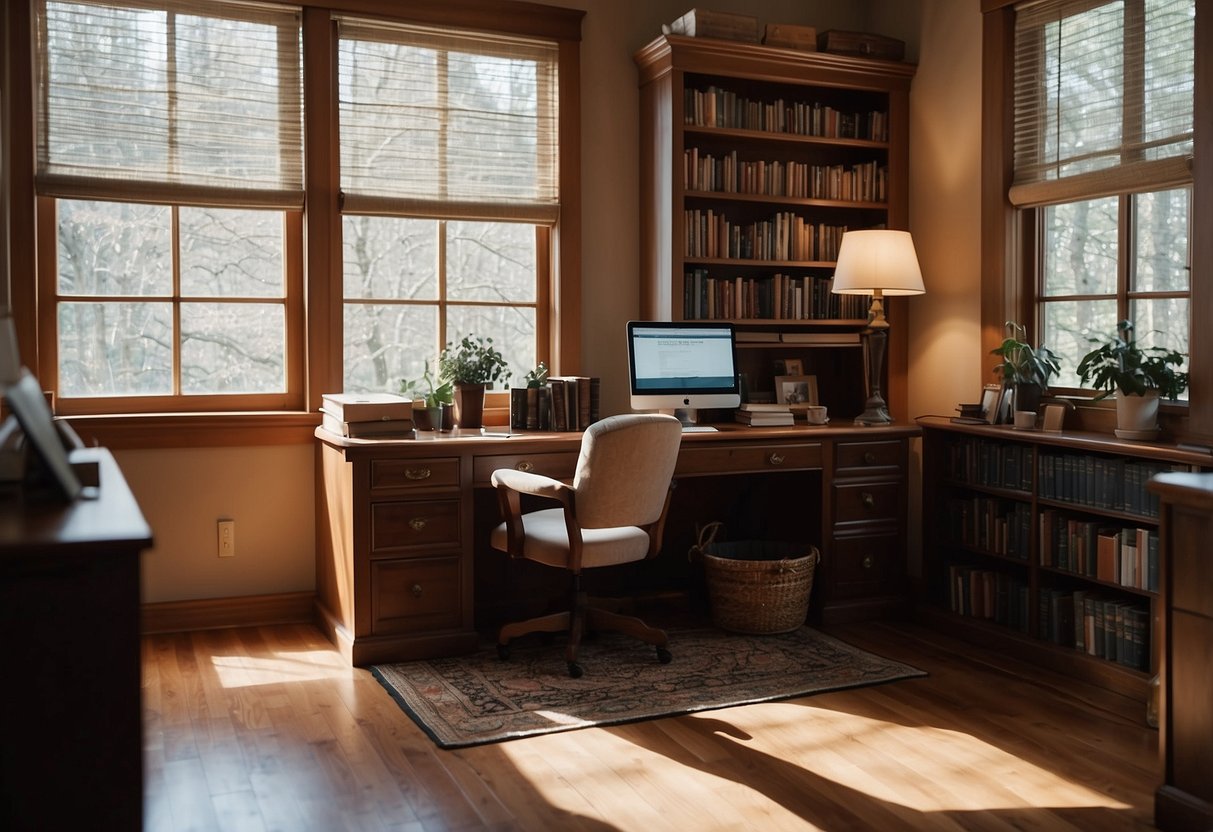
<point x="611" y="514"/>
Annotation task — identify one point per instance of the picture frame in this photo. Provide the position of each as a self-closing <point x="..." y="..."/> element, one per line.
<point x="991" y="396"/>
<point x="796" y="389"/>
<point x="793" y="367"/>
<point x="26" y="400"/>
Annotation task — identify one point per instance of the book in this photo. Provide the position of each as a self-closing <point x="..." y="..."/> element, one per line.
<point x="822" y="338"/>
<point x="363" y="430"/>
<point x="367" y="407"/>
<point x="764" y="418"/>
<point x="768" y="407"/>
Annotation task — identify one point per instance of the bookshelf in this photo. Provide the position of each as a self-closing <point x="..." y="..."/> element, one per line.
<point x="754" y="161"/>
<point x="1048" y="545"/>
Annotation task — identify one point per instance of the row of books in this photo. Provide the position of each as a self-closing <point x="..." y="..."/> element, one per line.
<point x="366" y="415"/>
<point x="1111" y="483"/>
<point x="718" y="107"/>
<point x="784" y="237"/>
<point x="564" y="403"/>
<point x="989" y="524"/>
<point x="975" y="461"/>
<point x="778" y="297"/>
<point x="1095" y="549"/>
<point x="727" y="175"/>
<point x="1100" y="626"/>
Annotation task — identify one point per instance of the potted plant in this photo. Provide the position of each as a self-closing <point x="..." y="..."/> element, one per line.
<point x="1026" y="369"/>
<point x="1138" y="376"/>
<point x="435" y="397"/>
<point x="472" y="366"/>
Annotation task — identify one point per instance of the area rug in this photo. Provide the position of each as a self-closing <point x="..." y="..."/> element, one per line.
<point x="475" y="699"/>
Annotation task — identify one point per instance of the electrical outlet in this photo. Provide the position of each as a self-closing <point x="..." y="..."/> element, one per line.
<point x="227" y="538"/>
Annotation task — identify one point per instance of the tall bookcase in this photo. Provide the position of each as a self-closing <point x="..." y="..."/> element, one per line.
<point x="754" y="160"/>
<point x="1047" y="545"/>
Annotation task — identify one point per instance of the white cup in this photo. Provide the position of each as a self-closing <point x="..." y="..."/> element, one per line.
<point x="816" y="414"/>
<point x="1025" y="419"/>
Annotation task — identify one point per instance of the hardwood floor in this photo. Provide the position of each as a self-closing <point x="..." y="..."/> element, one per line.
<point x="264" y="729"/>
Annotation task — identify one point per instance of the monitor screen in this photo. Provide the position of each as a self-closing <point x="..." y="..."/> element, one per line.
<point x="684" y="365"/>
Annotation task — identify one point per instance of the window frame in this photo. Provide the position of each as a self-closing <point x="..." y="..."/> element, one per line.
<point x="1011" y="236"/>
<point x="318" y="227"/>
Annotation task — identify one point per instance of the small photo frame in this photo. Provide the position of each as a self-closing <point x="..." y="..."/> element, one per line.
<point x="793" y="367"/>
<point x="991" y="397"/>
<point x="796" y="390"/>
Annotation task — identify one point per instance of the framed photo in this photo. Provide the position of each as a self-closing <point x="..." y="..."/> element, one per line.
<point x="792" y="367"/>
<point x="796" y="389"/>
<point x="29" y="405"/>
<point x="991" y="395"/>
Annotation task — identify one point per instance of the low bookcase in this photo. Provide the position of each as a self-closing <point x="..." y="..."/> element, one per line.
<point x="1046" y="545"/>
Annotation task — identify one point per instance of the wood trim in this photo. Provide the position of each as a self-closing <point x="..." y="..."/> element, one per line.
<point x="19" y="147"/>
<point x="566" y="309"/>
<point x="1200" y="346"/>
<point x="217" y="613"/>
<point x="511" y="16"/>
<point x="204" y="430"/>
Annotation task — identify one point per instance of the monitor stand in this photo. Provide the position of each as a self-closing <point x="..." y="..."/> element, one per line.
<point x="689" y="416"/>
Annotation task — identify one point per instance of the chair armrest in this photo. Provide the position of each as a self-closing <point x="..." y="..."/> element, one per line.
<point x="525" y="482"/>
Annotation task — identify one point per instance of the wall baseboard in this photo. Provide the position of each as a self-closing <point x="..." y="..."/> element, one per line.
<point x="219" y="613"/>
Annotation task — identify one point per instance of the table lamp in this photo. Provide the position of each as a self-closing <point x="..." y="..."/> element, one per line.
<point x="876" y="262"/>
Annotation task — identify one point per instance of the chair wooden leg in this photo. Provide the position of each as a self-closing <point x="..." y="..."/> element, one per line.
<point x="626" y="624"/>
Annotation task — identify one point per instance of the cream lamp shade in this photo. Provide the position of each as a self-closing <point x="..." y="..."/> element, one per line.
<point x="877" y="260"/>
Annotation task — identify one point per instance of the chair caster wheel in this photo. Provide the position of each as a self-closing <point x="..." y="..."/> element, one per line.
<point x="664" y="656"/>
<point x="503" y="651"/>
<point x="575" y="671"/>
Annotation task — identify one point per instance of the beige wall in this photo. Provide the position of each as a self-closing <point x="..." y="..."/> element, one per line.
<point x="269" y="491"/>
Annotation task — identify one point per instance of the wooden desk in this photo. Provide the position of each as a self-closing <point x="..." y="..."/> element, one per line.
<point x="70" y="711"/>
<point x="1184" y="801"/>
<point x="399" y="522"/>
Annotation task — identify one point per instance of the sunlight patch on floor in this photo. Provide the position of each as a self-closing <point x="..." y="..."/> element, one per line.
<point x="919" y="768"/>
<point x="301" y="666"/>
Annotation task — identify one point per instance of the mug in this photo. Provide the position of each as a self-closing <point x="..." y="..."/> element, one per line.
<point x="816" y="414"/>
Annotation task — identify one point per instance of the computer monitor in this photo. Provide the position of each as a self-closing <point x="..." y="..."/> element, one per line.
<point x="682" y="367"/>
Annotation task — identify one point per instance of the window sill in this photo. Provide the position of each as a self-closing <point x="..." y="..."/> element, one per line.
<point x="196" y="430"/>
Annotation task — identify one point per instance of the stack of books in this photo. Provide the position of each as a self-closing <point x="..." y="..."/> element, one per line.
<point x="366" y="415"/>
<point x="766" y="415"/>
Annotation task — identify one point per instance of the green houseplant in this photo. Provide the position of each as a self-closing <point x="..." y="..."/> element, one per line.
<point x="435" y="397"/>
<point x="472" y="365"/>
<point x="1026" y="369"/>
<point x="1138" y="376"/>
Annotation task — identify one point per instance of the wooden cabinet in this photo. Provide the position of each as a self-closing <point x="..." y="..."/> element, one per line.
<point x="1047" y="545"/>
<point x="754" y="161"/>
<point x="70" y="711"/>
<point x="1185" y="799"/>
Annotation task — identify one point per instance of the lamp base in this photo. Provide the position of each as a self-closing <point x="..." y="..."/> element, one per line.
<point x="875" y="413"/>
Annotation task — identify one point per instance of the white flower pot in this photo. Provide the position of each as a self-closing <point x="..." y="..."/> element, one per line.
<point x="1137" y="416"/>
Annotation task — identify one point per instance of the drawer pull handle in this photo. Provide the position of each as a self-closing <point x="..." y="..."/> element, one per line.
<point x="775" y="458"/>
<point x="867" y="562"/>
<point x="869" y="458"/>
<point x="867" y="499"/>
<point x="417" y="524"/>
<point x="416" y="473"/>
<point x="525" y="466"/>
<point x="416" y="590"/>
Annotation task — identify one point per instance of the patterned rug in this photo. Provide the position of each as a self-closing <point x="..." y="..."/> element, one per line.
<point x="475" y="699"/>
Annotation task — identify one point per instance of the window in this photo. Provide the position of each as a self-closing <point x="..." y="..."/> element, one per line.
<point x="449" y="189"/>
<point x="169" y="172"/>
<point x="187" y="265"/>
<point x="1103" y="141"/>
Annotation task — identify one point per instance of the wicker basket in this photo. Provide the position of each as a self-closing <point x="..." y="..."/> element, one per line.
<point x="757" y="586"/>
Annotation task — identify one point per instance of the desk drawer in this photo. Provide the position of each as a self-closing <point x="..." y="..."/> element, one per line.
<point x="441" y="472"/>
<point x="415" y="595"/>
<point x="865" y="565"/>
<point x="559" y="466"/>
<point x="862" y="458"/>
<point x="864" y="502"/>
<point x="413" y="524"/>
<point x="737" y="459"/>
